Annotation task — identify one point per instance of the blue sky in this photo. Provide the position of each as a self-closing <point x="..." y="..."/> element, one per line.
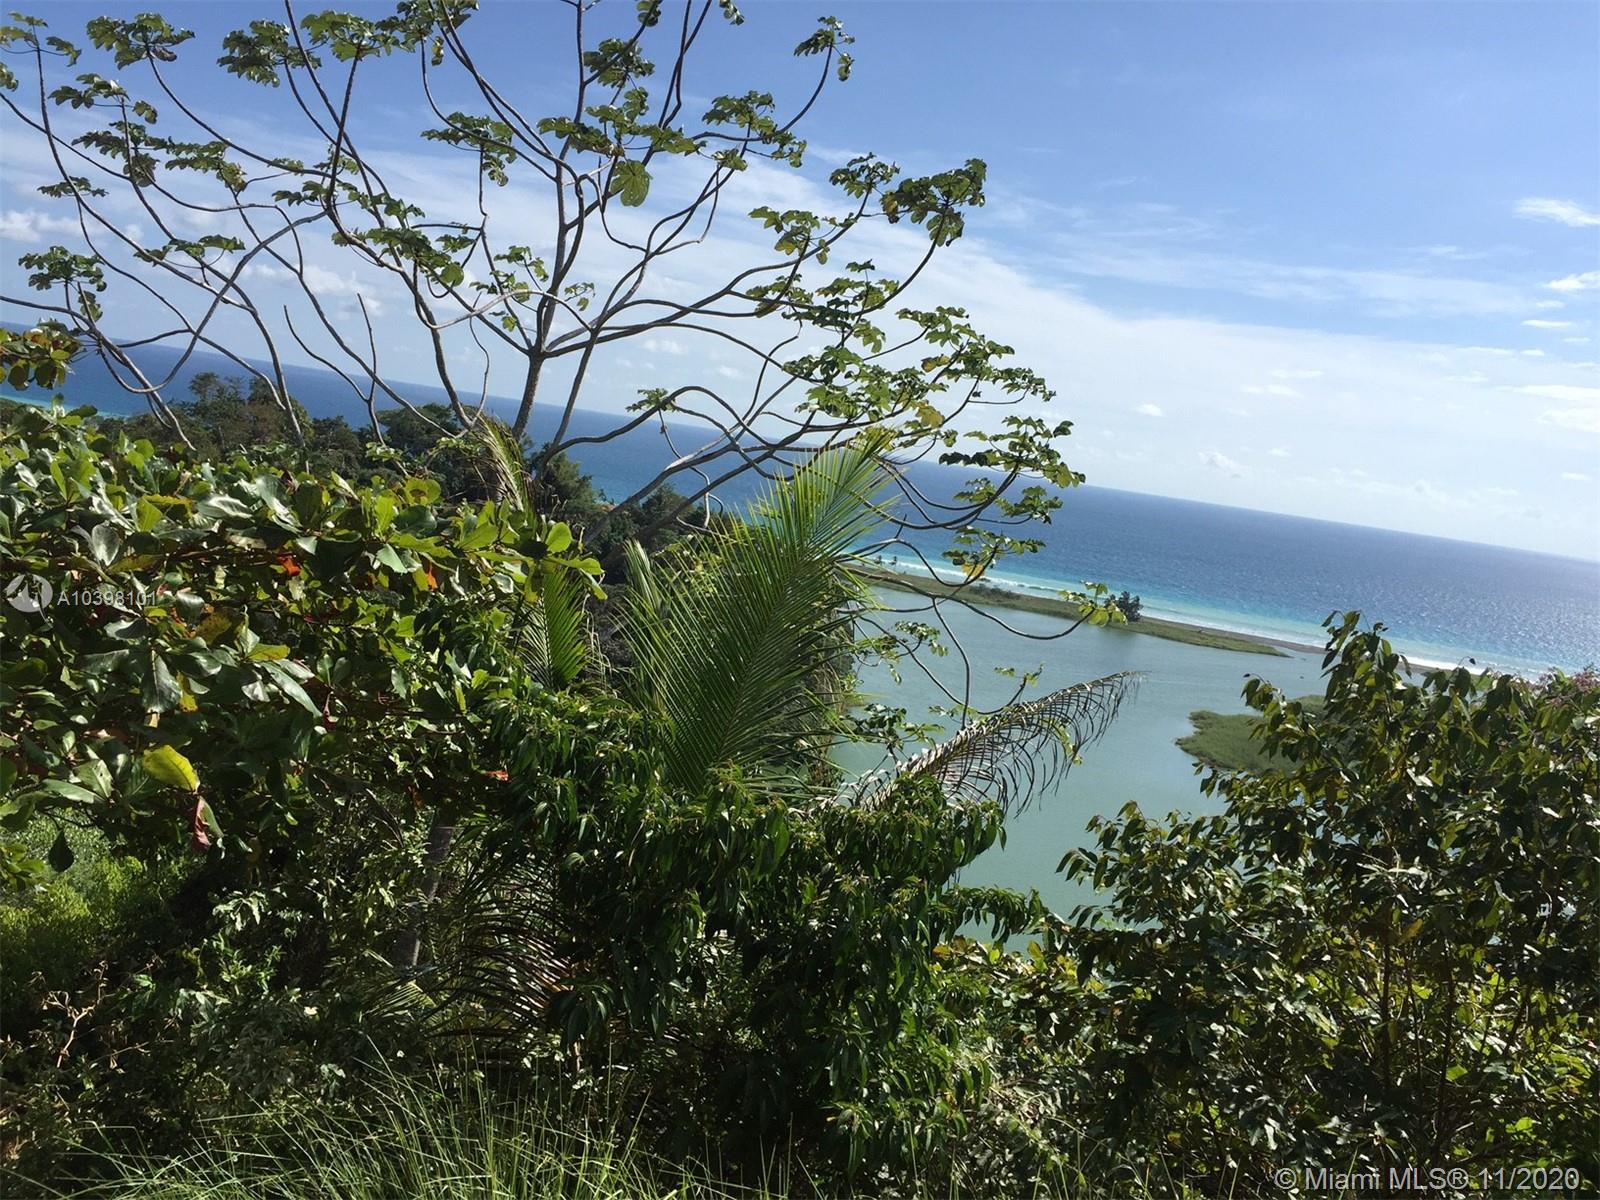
<point x="1340" y="260"/>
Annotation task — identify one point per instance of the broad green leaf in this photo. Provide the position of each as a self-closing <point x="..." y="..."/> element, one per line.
<point x="630" y="182"/>
<point x="167" y="766"/>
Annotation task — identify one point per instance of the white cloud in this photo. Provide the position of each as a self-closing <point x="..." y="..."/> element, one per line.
<point x="1575" y="477"/>
<point x="1550" y="304"/>
<point x="1389" y="292"/>
<point x="1586" y="281"/>
<point x="1584" y="413"/>
<point x="1150" y="410"/>
<point x="1221" y="462"/>
<point x="1270" y="389"/>
<point x="1430" y="493"/>
<point x="1576" y="341"/>
<point x="28" y="225"/>
<point x="1162" y="345"/>
<point x="730" y="372"/>
<point x="1278" y="452"/>
<point x="1539" y="324"/>
<point x="1584" y="420"/>
<point x="1565" y="392"/>
<point x="1567" y="212"/>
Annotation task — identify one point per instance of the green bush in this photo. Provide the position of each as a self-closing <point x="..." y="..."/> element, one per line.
<point x="50" y="937"/>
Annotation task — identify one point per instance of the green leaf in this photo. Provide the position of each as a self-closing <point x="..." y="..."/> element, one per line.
<point x="60" y="856"/>
<point x="95" y="776"/>
<point x="161" y="691"/>
<point x="167" y="766"/>
<point x="105" y="543"/>
<point x="70" y="791"/>
<point x="630" y="181"/>
<point x="290" y="687"/>
<point x="146" y="515"/>
<point x="223" y="508"/>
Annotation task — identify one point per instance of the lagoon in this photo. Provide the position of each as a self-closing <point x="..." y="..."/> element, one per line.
<point x="1137" y="759"/>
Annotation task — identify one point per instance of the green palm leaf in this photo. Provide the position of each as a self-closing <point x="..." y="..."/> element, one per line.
<point x="745" y="655"/>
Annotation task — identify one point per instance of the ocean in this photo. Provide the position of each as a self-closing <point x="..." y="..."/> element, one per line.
<point x="1443" y="601"/>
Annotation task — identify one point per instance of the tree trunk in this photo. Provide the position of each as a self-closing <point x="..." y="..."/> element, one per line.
<point x="408" y="945"/>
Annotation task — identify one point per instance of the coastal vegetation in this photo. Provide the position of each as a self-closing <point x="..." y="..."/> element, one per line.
<point x="383" y="812"/>
<point x="1070" y="608"/>
<point x="1231" y="741"/>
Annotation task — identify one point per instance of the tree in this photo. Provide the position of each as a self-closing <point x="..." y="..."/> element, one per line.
<point x="1380" y="954"/>
<point x="1128" y="605"/>
<point x="725" y="900"/>
<point x="831" y="354"/>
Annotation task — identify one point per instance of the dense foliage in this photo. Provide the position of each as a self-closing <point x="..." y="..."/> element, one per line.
<point x="347" y="777"/>
<point x="362" y="741"/>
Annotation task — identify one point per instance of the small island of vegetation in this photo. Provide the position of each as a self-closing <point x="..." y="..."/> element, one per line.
<point x="1229" y="741"/>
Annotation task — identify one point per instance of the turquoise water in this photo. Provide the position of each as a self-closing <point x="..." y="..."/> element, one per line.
<point x="1136" y="759"/>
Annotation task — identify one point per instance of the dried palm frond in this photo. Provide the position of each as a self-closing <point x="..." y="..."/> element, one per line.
<point x="1014" y="754"/>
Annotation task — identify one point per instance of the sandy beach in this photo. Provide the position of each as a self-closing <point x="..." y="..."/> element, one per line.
<point x="990" y="595"/>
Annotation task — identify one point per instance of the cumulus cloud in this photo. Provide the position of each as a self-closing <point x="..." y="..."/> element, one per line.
<point x="324" y="283"/>
<point x="1150" y="410"/>
<point x="665" y="346"/>
<point x="1541" y="324"/>
<point x="1575" y="477"/>
<point x="1278" y="452"/>
<point x="1270" y="389"/>
<point x="1585" y="281"/>
<point x="28" y="225"/>
<point x="1221" y="462"/>
<point x="1582" y="413"/>
<point x="1566" y="212"/>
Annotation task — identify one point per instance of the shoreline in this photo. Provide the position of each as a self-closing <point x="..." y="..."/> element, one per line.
<point x="991" y="596"/>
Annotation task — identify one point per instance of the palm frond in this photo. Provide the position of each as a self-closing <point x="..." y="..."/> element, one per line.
<point x="1016" y="753"/>
<point x="554" y="638"/>
<point x="504" y="461"/>
<point x="502" y="952"/>
<point x="744" y="657"/>
<point x="498" y="954"/>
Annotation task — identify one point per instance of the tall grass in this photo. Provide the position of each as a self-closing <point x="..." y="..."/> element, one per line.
<point x="407" y="1141"/>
